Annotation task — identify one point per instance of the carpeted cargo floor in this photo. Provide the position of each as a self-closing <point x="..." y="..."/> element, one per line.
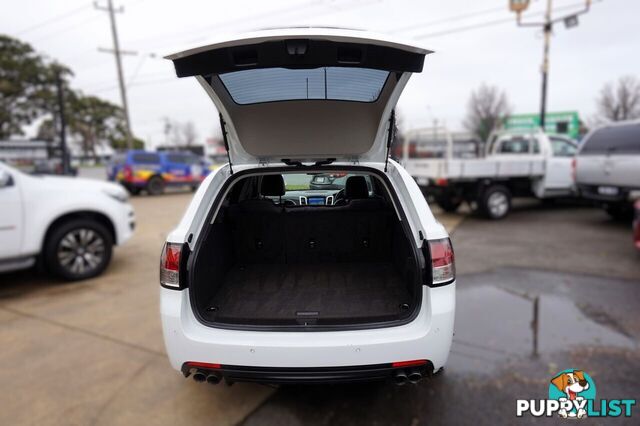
<point x="286" y="292"/>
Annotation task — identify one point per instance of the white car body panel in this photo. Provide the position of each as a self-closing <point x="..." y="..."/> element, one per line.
<point x="427" y="336"/>
<point x="44" y="199"/>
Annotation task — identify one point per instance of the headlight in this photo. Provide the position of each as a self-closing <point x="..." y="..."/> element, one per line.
<point x="117" y="194"/>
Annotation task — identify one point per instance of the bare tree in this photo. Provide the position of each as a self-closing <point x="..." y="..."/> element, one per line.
<point x="620" y="101"/>
<point x="487" y="109"/>
<point x="189" y="133"/>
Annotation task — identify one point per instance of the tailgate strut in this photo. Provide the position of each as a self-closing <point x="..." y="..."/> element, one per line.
<point x="390" y="136"/>
<point x="223" y="127"/>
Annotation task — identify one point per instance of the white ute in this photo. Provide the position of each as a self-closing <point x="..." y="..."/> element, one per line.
<point x="70" y="223"/>
<point x="310" y="257"/>
<point x="526" y="164"/>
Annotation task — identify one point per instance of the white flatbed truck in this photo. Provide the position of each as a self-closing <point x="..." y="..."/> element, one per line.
<point x="511" y="164"/>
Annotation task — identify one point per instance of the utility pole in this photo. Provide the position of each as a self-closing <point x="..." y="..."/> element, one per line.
<point x="62" y="123"/>
<point x="570" y="21"/>
<point x="117" y="53"/>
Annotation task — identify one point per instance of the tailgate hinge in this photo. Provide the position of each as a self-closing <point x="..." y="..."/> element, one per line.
<point x="223" y="127"/>
<point x="390" y="135"/>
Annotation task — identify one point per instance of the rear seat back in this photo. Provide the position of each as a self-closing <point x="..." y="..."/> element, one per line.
<point x="264" y="232"/>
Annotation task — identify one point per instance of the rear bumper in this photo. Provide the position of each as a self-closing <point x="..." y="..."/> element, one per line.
<point x="279" y="375"/>
<point x="590" y="192"/>
<point x="309" y="355"/>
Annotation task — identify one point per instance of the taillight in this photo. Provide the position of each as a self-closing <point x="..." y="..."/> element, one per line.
<point x="128" y="173"/>
<point x="170" y="265"/>
<point x="443" y="267"/>
<point x="573" y="169"/>
<point x="442" y="182"/>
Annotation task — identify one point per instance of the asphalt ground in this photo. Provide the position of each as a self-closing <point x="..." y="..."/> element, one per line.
<point x="92" y="352"/>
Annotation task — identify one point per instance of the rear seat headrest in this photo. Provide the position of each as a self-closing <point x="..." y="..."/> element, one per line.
<point x="272" y="186"/>
<point x="356" y="188"/>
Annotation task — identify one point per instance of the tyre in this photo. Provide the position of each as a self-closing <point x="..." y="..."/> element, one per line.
<point x="495" y="202"/>
<point x="448" y="204"/>
<point x="78" y="249"/>
<point x="155" y="186"/>
<point x="134" y="190"/>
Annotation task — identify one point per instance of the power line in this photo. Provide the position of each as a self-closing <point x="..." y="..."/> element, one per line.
<point x="450" y="19"/>
<point x="490" y="23"/>
<point x="53" y="19"/>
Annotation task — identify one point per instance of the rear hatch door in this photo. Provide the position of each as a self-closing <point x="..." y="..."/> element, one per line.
<point x="304" y="94"/>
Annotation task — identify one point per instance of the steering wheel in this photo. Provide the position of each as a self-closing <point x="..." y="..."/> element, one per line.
<point x="338" y="196"/>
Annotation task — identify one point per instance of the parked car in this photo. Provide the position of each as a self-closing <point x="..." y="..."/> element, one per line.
<point x="139" y="170"/>
<point x="607" y="167"/>
<point x="514" y="164"/>
<point x="71" y="224"/>
<point x="260" y="283"/>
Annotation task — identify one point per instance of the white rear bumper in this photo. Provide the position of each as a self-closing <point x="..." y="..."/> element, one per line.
<point x="428" y="337"/>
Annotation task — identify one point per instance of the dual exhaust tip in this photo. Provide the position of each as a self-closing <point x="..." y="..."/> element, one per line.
<point x="403" y="377"/>
<point x="201" y="376"/>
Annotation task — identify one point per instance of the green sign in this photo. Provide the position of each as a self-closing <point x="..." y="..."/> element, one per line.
<point x="556" y="123"/>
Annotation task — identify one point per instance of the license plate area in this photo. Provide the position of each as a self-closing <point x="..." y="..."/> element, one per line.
<point x="608" y="190"/>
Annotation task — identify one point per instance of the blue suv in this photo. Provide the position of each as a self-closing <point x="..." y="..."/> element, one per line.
<point x="154" y="171"/>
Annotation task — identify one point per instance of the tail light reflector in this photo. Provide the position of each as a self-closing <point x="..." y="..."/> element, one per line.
<point x="170" y="265"/>
<point x="443" y="265"/>
<point x="413" y="363"/>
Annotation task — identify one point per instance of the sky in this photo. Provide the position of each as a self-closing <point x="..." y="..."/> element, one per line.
<point x="475" y="42"/>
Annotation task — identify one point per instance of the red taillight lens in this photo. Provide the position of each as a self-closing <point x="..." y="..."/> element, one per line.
<point x="413" y="363"/>
<point x="443" y="267"/>
<point x="170" y="265"/>
<point x="442" y="182"/>
<point x="128" y="173"/>
<point x="203" y="365"/>
<point x="573" y="168"/>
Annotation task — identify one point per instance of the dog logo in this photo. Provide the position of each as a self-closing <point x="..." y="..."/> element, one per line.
<point x="576" y="387"/>
<point x="572" y="395"/>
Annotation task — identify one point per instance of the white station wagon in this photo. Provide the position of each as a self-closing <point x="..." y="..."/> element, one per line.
<point x="311" y="256"/>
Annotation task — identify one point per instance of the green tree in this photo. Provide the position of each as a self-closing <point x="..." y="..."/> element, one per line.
<point x="26" y="86"/>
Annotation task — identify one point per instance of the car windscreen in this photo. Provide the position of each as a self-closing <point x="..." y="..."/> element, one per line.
<point x="518" y="145"/>
<point x="283" y="84"/>
<point x="183" y="158"/>
<point x="617" y="139"/>
<point x="145" y="158"/>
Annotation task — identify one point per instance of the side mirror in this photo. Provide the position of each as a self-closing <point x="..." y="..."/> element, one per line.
<point x="5" y="179"/>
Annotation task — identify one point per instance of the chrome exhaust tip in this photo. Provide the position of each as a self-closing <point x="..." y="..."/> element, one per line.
<point x="213" y="379"/>
<point x="414" y="377"/>
<point x="400" y="378"/>
<point x="199" y="377"/>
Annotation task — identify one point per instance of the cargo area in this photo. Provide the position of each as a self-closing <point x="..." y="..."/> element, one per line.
<point x="269" y="261"/>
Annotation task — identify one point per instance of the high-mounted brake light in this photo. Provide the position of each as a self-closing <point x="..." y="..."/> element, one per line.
<point x="443" y="265"/>
<point x="170" y="265"/>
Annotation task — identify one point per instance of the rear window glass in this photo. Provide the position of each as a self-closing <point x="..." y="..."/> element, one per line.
<point x="515" y="146"/>
<point x="282" y="84"/>
<point x="619" y="139"/>
<point x="146" y="158"/>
